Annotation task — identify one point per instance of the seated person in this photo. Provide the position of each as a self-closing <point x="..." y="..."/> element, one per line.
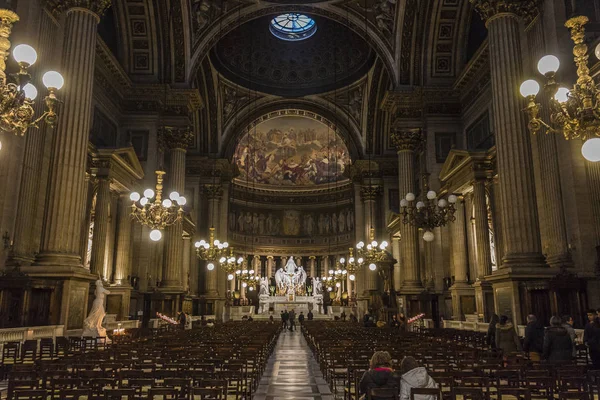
<point x="380" y="375"/>
<point x="414" y="376"/>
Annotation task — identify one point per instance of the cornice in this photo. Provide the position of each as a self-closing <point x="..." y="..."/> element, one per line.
<point x="473" y="70"/>
<point x="97" y="7"/>
<point x="491" y="9"/>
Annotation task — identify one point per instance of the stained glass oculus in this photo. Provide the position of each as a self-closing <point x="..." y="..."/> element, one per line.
<point x="293" y="26"/>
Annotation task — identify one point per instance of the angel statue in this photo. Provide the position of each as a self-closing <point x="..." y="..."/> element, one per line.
<point x="264" y="286"/>
<point x="92" y="325"/>
<point x="317" y="286"/>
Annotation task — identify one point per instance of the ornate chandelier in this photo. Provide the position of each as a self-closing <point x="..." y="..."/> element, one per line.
<point x="373" y="252"/>
<point x="351" y="265"/>
<point x="428" y="213"/>
<point x="160" y="213"/>
<point x="573" y="112"/>
<point x="247" y="276"/>
<point x="212" y="250"/>
<point x="230" y="264"/>
<point x="335" y="278"/>
<point x="17" y="98"/>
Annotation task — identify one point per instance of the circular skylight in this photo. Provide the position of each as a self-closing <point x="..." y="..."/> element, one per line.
<point x="293" y="26"/>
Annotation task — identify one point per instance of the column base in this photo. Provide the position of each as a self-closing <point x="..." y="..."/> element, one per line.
<point x="524" y="260"/>
<point x="58" y="260"/>
<point x="560" y="261"/>
<point x="463" y="300"/>
<point x="170" y="289"/>
<point x="411" y="288"/>
<point x="19" y="261"/>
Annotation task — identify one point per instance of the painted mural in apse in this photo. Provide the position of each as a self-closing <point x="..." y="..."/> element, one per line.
<point x="291" y="150"/>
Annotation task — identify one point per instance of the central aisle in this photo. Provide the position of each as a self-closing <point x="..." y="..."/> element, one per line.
<point x="292" y="372"/>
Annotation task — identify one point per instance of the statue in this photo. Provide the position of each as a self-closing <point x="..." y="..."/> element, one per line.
<point x="317" y="286"/>
<point x="291" y="279"/>
<point x="264" y="286"/>
<point x="92" y="326"/>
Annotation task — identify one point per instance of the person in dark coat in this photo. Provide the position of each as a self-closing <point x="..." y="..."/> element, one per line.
<point x="490" y="338"/>
<point x="379" y="375"/>
<point x="534" y="338"/>
<point x="394" y="322"/>
<point x="309" y="316"/>
<point x="301" y="317"/>
<point x="567" y="323"/>
<point x="557" y="342"/>
<point x="182" y="320"/>
<point x="506" y="337"/>
<point x="591" y="338"/>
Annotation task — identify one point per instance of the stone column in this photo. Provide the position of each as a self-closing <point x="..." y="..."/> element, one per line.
<point x="122" y="259"/>
<point x="311" y="263"/>
<point x="359" y="229"/>
<point x="408" y="143"/>
<point x="553" y="213"/>
<point x="459" y="258"/>
<point x="176" y="140"/>
<point x="66" y="195"/>
<point x="187" y="248"/>
<point x="270" y="265"/>
<point x="256" y="264"/>
<point x="369" y="196"/>
<point x="482" y="235"/>
<point x="397" y="256"/>
<point x="100" y="227"/>
<point x="213" y="194"/>
<point x="517" y="187"/>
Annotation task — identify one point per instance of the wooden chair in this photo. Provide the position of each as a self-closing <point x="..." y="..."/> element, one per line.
<point x="119" y="394"/>
<point x="21" y="385"/>
<point x="206" y="394"/>
<point x="383" y="393"/>
<point x="163" y="394"/>
<point x="415" y="393"/>
<point x="519" y="394"/>
<point x="33" y="394"/>
<point x="574" y="396"/>
<point x="468" y="393"/>
<point x="74" y="394"/>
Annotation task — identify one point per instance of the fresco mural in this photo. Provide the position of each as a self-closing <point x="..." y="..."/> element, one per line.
<point x="291" y="150"/>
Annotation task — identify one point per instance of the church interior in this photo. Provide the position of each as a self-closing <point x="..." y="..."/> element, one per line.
<point x="409" y="176"/>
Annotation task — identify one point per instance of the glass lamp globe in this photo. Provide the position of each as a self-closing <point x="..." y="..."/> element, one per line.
<point x="385" y="244"/>
<point x="410" y="197"/>
<point x="442" y="203"/>
<point x="222" y="260"/>
<point x="403" y="203"/>
<point x="135" y="196"/>
<point x="197" y="245"/>
<point x="244" y="284"/>
<point x="240" y="260"/>
<point x="342" y="260"/>
<point x="206" y="246"/>
<point x="548" y="64"/>
<point x="338" y="284"/>
<point x="210" y="266"/>
<point x="329" y="289"/>
<point x="452" y="199"/>
<point x="53" y="79"/>
<point x="330" y="272"/>
<point x="374" y="243"/>
<point x="174" y="196"/>
<point x="149" y="193"/>
<point x="30" y="91"/>
<point x="201" y="243"/>
<point x="225" y="245"/>
<point x="431" y="195"/>
<point x="428" y="236"/>
<point x="360" y="245"/>
<point x="372" y="267"/>
<point x="167" y="203"/>
<point x="181" y="201"/>
<point x="144" y="201"/>
<point x="245" y="271"/>
<point x="562" y="95"/>
<point x="230" y="277"/>
<point x="155" y="235"/>
<point x="361" y="260"/>
<point x="24" y="53"/>
<point x="351" y="260"/>
<point x="352" y="277"/>
<point x="529" y="88"/>
<point x="251" y="288"/>
<point x="420" y="205"/>
<point x="591" y="150"/>
<point x="251" y="271"/>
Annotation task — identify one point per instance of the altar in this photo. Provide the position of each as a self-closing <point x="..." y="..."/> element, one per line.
<point x="300" y="303"/>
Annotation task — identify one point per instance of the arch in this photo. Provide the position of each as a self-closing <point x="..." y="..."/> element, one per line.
<point x="232" y="132"/>
<point x="228" y="22"/>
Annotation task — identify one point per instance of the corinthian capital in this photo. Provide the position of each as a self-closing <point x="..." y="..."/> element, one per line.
<point x="489" y="9"/>
<point x="175" y="137"/>
<point x="213" y="192"/>
<point x="370" y="192"/>
<point x="98" y="7"/>
<point x="407" y="139"/>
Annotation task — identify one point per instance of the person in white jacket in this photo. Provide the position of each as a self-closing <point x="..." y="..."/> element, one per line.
<point x="414" y="376"/>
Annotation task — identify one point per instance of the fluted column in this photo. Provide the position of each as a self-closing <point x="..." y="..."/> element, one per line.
<point x="494" y="188"/>
<point x="459" y="244"/>
<point x="213" y="194"/>
<point x="123" y="257"/>
<point x="270" y="265"/>
<point x="256" y="264"/>
<point x="593" y="178"/>
<point x="517" y="189"/>
<point x="100" y="227"/>
<point x="369" y="195"/>
<point x="396" y="254"/>
<point x="553" y="213"/>
<point x="311" y="263"/>
<point x="482" y="234"/>
<point x="186" y="260"/>
<point x="66" y="197"/>
<point x="408" y="143"/>
<point x="176" y="140"/>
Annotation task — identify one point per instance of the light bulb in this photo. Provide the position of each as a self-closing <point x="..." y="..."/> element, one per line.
<point x="351" y="260"/>
<point x="530" y="88"/>
<point x="338" y="284"/>
<point x="250" y="288"/>
<point x="244" y="284"/>
<point x="431" y="195"/>
<point x="251" y="271"/>
<point x="352" y="277"/>
<point x="24" y="53"/>
<point x="155" y="235"/>
<point x="240" y="260"/>
<point x="134" y="196"/>
<point x="30" y="91"/>
<point x="420" y="205"/>
<point x="220" y="246"/>
<point x="206" y="246"/>
<point x="428" y="236"/>
<point x="369" y="247"/>
<point x="230" y="277"/>
<point x="0" y="145"/>
<point x="442" y="203"/>
<point x="217" y="242"/>
<point x="591" y="150"/>
<point x="167" y="203"/>
<point x="548" y="64"/>
<point x="181" y="201"/>
<point x="410" y="197"/>
<point x="403" y="203"/>
<point x="225" y="245"/>
<point x="222" y="260"/>
<point x="344" y="272"/>
<point x="329" y="289"/>
<point x="360" y="245"/>
<point x="452" y="199"/>
<point x="210" y="266"/>
<point x="197" y="244"/>
<point x="245" y="271"/>
<point x="381" y="246"/>
<point x="330" y="272"/>
<point x="562" y="95"/>
<point x="238" y="272"/>
<point x="372" y="267"/>
<point x="149" y="193"/>
<point x="342" y="260"/>
<point x="374" y="243"/>
<point x="174" y="196"/>
<point x="53" y="79"/>
<point x="384" y="244"/>
<point x="202" y="243"/>
<point x="144" y="201"/>
<point x="360" y="260"/>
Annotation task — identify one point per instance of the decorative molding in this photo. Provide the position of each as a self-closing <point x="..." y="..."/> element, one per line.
<point x="213" y="192"/>
<point x="407" y="139"/>
<point x="98" y="7"/>
<point x="174" y="137"/>
<point x="490" y="9"/>
<point x="370" y="193"/>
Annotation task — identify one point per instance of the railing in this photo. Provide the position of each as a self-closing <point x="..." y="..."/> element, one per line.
<point x="483" y="327"/>
<point x="29" y="333"/>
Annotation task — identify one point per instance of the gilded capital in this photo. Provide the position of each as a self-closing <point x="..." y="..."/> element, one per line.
<point x="213" y="192"/>
<point x="407" y="139"/>
<point x="98" y="7"/>
<point x="370" y="192"/>
<point x="489" y="9"/>
<point x="175" y="137"/>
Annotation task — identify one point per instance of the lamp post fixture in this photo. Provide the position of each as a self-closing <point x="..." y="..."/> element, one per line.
<point x="230" y="264"/>
<point x="160" y="213"/>
<point x="351" y="265"/>
<point x="17" y="98"/>
<point x="373" y="252"/>
<point x="211" y="250"/>
<point x="575" y="113"/>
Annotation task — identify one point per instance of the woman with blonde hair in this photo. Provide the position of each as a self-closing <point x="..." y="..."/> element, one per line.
<point x="380" y="375"/>
<point x="414" y="376"/>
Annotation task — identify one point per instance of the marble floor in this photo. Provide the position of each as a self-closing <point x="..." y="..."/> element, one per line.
<point x="292" y="372"/>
